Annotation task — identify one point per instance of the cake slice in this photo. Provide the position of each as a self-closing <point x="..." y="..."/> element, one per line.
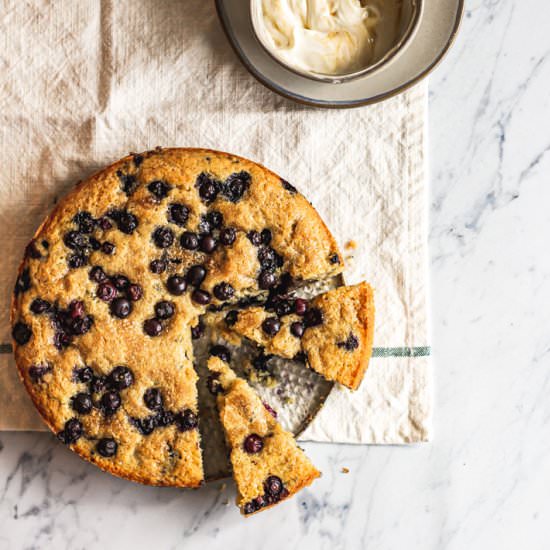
<point x="268" y="466"/>
<point x="334" y="331"/>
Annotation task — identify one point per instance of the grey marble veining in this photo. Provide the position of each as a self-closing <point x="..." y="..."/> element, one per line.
<point x="483" y="481"/>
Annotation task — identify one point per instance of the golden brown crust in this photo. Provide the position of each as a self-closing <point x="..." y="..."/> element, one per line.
<point x="167" y="456"/>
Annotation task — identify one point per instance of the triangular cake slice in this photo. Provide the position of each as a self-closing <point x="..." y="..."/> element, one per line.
<point x="334" y="331"/>
<point x="268" y="466"/>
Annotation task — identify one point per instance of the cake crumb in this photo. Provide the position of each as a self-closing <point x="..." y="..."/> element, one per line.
<point x="345" y="470"/>
<point x="350" y="245"/>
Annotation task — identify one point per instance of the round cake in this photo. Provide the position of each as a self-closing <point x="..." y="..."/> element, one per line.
<point x="110" y="293"/>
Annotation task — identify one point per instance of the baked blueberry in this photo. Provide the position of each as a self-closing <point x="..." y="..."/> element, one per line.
<point x="110" y="402"/>
<point x="186" y="420"/>
<point x="71" y="432"/>
<point x="128" y="182"/>
<point x="152" y="327"/>
<point x="121" y="282"/>
<point x="75" y="240"/>
<point x="200" y="297"/>
<point x="21" y="333"/>
<point x="196" y="275"/>
<point x="23" y="282"/>
<point x="334" y="259"/>
<point x="189" y="241"/>
<point x="249" y="508"/>
<point x="126" y="222"/>
<point x="76" y="309"/>
<point x="267" y="280"/>
<point x="61" y="340"/>
<point x="120" y="378"/>
<point x="350" y="343"/>
<point x="221" y="351"/>
<point x="107" y="447"/>
<point x="261" y="362"/>
<point x="31" y="251"/>
<point x="290" y="188"/>
<point x="283" y="307"/>
<point x="254" y="237"/>
<point x="153" y="399"/>
<point x="76" y="260"/>
<point x="157" y="266"/>
<point x="300" y="306"/>
<point x="159" y="189"/>
<point x="273" y="486"/>
<point x="164" y="418"/>
<point x="297" y="329"/>
<point x="313" y="317"/>
<point x="178" y="213"/>
<point x="81" y="325"/>
<point x="235" y="186"/>
<point x="108" y="248"/>
<point x="82" y="403"/>
<point x="104" y="223"/>
<point x="97" y="274"/>
<point x="146" y="425"/>
<point x="94" y="243"/>
<point x="271" y="326"/>
<point x="37" y="372"/>
<point x="164" y="309"/>
<point x="134" y="292"/>
<point x="39" y="306"/>
<point x="106" y="291"/>
<point x="208" y="188"/>
<point x="197" y="331"/>
<point x="85" y="222"/>
<point x="224" y="291"/>
<point x="176" y="285"/>
<point x="83" y="374"/>
<point x="215" y="219"/>
<point x="269" y="259"/>
<point x="138" y="159"/>
<point x="253" y="444"/>
<point x="121" y="307"/>
<point x="231" y="317"/>
<point x="163" y="237"/>
<point x="97" y="384"/>
<point x="266" y="236"/>
<point x="228" y="236"/>
<point x="208" y="243"/>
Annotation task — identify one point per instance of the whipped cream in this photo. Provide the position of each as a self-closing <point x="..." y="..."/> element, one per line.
<point x="331" y="37"/>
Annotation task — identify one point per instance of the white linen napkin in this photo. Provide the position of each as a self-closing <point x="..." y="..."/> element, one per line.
<point x="84" y="83"/>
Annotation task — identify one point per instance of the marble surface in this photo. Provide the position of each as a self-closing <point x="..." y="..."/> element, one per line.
<point x="482" y="482"/>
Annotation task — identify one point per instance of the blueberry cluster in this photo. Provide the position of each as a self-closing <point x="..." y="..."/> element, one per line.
<point x="274" y="491"/>
<point x="232" y="189"/>
<point x="184" y="421"/>
<point x="164" y="310"/>
<point x="81" y="241"/>
<point x="284" y="305"/>
<point x="103" y="392"/>
<point x="117" y="290"/>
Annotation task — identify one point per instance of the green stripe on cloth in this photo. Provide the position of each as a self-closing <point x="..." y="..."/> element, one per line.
<point x="421" y="351"/>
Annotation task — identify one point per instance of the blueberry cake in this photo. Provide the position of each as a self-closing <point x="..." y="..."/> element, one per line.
<point x="332" y="331"/>
<point x="110" y="293"/>
<point x="268" y="466"/>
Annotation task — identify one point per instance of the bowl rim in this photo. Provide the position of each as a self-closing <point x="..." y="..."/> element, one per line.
<point x="393" y="52"/>
<point x="303" y="100"/>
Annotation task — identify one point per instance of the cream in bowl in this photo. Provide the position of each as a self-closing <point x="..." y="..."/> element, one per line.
<point x="331" y="39"/>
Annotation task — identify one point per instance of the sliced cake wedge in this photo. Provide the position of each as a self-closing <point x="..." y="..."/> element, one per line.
<point x="268" y="466"/>
<point x="333" y="331"/>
